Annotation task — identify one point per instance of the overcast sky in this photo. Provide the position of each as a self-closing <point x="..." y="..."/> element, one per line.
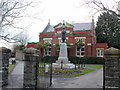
<point x="72" y="11"/>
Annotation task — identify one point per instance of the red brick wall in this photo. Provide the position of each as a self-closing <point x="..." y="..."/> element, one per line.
<point x="90" y="50"/>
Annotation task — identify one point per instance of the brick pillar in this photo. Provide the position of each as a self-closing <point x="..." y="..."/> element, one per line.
<point x="112" y="68"/>
<point x="4" y="63"/>
<point x="30" y="68"/>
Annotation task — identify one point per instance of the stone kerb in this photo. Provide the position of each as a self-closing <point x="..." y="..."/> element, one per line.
<point x="4" y="63"/>
<point x="30" y="67"/>
<point x="112" y="68"/>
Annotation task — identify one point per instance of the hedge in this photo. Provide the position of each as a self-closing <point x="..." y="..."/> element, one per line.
<point x="49" y="59"/>
<point x="76" y="60"/>
<point x="92" y="60"/>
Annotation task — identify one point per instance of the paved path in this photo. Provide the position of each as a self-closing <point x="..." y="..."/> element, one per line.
<point x="90" y="80"/>
<point x="16" y="76"/>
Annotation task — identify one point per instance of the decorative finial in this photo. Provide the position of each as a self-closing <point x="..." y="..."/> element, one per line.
<point x="63" y="24"/>
<point x="93" y="22"/>
<point x="63" y="21"/>
<point x="49" y="21"/>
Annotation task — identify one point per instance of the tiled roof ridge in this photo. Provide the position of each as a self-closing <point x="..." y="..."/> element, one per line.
<point x="82" y="23"/>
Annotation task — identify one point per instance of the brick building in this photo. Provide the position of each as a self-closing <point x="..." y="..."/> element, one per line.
<point x="78" y="31"/>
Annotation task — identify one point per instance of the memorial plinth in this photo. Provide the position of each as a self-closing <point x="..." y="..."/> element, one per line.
<point x="63" y="58"/>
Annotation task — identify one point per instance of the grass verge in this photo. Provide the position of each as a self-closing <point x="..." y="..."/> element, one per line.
<point x="79" y="72"/>
<point x="71" y="72"/>
<point x="11" y="67"/>
<point x="89" y="68"/>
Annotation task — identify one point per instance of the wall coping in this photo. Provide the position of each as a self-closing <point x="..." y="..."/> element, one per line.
<point x="31" y="50"/>
<point x="112" y="51"/>
<point x="5" y="50"/>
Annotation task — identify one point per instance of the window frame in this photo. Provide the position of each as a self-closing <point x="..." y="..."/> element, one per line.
<point x="100" y="53"/>
<point x="80" y="52"/>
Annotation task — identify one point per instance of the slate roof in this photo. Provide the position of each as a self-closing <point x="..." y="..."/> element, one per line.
<point x="49" y="28"/>
<point x="82" y="26"/>
<point x="77" y="27"/>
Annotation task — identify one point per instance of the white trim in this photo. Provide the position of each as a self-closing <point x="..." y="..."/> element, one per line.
<point x="89" y="44"/>
<point x="58" y="31"/>
<point x="61" y="31"/>
<point x="47" y="38"/>
<point x="71" y="43"/>
<point x="61" y="38"/>
<point x="67" y="31"/>
<point x="80" y="38"/>
<point x="99" y="48"/>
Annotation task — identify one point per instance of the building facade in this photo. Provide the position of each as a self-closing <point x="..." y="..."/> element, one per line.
<point x="78" y="31"/>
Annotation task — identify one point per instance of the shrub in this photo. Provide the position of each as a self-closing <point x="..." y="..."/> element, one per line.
<point x="73" y="59"/>
<point x="76" y="60"/>
<point x="48" y="59"/>
<point x="92" y="60"/>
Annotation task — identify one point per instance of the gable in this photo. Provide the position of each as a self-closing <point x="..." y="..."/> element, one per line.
<point x="60" y="25"/>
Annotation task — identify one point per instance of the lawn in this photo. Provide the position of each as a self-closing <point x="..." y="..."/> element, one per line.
<point x="11" y="67"/>
<point x="94" y="66"/>
<point x="73" y="73"/>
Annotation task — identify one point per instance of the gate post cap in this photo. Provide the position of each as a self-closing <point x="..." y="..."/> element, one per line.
<point x="31" y="50"/>
<point x="112" y="51"/>
<point x="4" y="49"/>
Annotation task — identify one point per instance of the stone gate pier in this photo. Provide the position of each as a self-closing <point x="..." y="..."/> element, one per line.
<point x="112" y="68"/>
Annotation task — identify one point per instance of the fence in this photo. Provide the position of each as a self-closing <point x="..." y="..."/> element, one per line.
<point x="112" y="68"/>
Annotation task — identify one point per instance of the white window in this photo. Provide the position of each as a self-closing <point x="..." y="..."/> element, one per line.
<point x="99" y="53"/>
<point x="47" y="52"/>
<point x="47" y="41"/>
<point x="82" y="39"/>
<point x="80" y="52"/>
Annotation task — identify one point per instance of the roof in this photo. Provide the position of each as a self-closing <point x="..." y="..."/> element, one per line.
<point x="76" y="27"/>
<point x="49" y="28"/>
<point x="82" y="26"/>
<point x="100" y="45"/>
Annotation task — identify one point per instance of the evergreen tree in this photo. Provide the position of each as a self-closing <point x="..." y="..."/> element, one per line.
<point x="108" y="29"/>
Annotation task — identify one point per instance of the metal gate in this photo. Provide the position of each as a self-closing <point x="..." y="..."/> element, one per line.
<point x="37" y="73"/>
<point x="44" y="79"/>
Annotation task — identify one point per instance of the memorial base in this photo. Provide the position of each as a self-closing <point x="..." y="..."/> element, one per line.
<point x="70" y="65"/>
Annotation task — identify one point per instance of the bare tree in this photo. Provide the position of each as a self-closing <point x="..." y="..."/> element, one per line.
<point x="22" y="37"/>
<point x="10" y="13"/>
<point x="99" y="6"/>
